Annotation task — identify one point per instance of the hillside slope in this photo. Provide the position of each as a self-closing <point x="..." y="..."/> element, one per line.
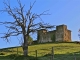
<point x="60" y="50"/>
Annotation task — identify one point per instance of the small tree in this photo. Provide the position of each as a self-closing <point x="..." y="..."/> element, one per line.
<point x="23" y="23"/>
<point x="53" y="38"/>
<point x="30" y="40"/>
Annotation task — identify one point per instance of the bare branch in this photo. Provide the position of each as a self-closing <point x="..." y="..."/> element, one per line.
<point x="23" y="22"/>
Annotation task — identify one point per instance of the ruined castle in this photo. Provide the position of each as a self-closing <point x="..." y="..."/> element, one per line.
<point x="61" y="34"/>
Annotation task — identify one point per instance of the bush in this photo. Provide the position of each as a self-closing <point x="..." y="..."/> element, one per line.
<point x="2" y="53"/>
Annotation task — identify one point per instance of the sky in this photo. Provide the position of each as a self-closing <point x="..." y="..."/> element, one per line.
<point x="61" y="12"/>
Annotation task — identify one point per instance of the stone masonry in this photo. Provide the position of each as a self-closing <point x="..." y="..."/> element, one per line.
<point x="61" y="34"/>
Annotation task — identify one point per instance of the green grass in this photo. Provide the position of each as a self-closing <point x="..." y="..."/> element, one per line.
<point x="62" y="51"/>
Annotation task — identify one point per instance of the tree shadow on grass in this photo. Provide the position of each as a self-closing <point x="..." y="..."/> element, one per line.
<point x="17" y="57"/>
<point x="68" y="56"/>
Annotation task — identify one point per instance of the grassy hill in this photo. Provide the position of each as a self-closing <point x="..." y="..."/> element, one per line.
<point x="62" y="51"/>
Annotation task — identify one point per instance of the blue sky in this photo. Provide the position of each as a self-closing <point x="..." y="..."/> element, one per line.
<point x="62" y="12"/>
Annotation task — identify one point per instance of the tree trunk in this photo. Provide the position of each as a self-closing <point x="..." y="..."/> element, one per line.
<point x="25" y="46"/>
<point x="25" y="50"/>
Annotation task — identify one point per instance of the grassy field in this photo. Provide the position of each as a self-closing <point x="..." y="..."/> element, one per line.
<point x="62" y="51"/>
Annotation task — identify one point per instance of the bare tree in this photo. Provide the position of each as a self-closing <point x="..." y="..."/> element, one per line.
<point x="79" y="34"/>
<point x="23" y="23"/>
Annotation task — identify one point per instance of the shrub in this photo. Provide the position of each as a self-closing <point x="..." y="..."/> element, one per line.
<point x="2" y="53"/>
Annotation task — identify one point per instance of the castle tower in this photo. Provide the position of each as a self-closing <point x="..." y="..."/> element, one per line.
<point x="41" y="35"/>
<point x="63" y="34"/>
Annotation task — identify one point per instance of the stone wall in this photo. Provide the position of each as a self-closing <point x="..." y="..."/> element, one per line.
<point x="61" y="34"/>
